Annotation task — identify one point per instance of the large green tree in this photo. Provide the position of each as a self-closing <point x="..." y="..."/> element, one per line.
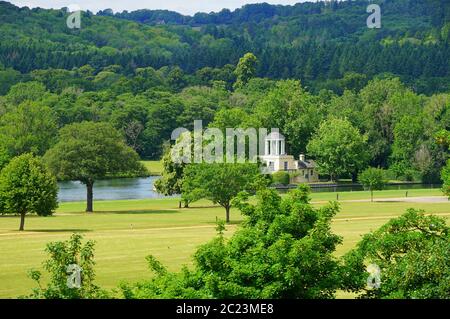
<point x="245" y="70"/>
<point x="90" y="151"/>
<point x="408" y="136"/>
<point x="221" y="182"/>
<point x="29" y="127"/>
<point x="171" y="180"/>
<point x="27" y="187"/>
<point x="339" y="148"/>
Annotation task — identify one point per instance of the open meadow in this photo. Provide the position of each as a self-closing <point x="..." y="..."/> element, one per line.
<point x="127" y="231"/>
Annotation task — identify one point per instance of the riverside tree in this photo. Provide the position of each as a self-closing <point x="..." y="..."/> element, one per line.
<point x="171" y="180"/>
<point x="90" y="151"/>
<point x="27" y="187"/>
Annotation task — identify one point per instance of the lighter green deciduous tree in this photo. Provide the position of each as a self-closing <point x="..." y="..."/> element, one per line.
<point x="26" y="187"/>
<point x="339" y="148"/>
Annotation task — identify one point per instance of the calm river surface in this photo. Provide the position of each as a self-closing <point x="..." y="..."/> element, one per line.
<point x="111" y="189"/>
<point x="142" y="188"/>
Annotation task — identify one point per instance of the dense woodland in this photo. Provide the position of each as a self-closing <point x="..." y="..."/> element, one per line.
<point x="149" y="72"/>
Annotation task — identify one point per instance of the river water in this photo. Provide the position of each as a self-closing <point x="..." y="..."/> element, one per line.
<point x="110" y="189"/>
<point x="142" y="188"/>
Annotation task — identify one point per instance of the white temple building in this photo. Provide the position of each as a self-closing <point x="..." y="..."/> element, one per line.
<point x="276" y="159"/>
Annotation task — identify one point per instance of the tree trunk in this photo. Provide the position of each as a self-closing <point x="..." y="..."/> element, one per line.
<point x="227" y="209"/>
<point x="186" y="204"/>
<point x="22" y="221"/>
<point x="90" y="197"/>
<point x="371" y="196"/>
<point x="179" y="204"/>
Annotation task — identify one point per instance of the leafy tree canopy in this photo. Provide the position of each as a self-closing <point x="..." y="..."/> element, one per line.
<point x="27" y="187"/>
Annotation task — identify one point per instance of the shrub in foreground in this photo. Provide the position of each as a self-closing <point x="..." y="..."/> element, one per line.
<point x="412" y="254"/>
<point x="284" y="249"/>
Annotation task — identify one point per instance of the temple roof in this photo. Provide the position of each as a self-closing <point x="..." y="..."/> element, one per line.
<point x="275" y="136"/>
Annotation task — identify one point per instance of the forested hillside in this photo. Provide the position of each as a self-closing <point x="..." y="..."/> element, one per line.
<point x="149" y="72"/>
<point x="314" y="42"/>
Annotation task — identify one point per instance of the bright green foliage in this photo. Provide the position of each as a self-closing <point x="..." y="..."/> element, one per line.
<point x="29" y="127"/>
<point x="289" y="107"/>
<point x="280" y="178"/>
<point x="171" y="180"/>
<point x="283" y="250"/>
<point x="373" y="179"/>
<point x="220" y="182"/>
<point x="4" y="157"/>
<point x="339" y="148"/>
<point x="22" y="92"/>
<point x="413" y="254"/>
<point x="27" y="187"/>
<point x="443" y="138"/>
<point x="245" y="70"/>
<point x="63" y="254"/>
<point x="90" y="151"/>
<point x="408" y="135"/>
<point x="446" y="179"/>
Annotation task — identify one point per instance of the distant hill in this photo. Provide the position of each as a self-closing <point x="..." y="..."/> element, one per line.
<point x="314" y="42"/>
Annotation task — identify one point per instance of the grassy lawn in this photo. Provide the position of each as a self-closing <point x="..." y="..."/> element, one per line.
<point x="154" y="167"/>
<point x="127" y="231"/>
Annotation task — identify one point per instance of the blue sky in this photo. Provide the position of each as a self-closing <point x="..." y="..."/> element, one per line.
<point x="182" y="6"/>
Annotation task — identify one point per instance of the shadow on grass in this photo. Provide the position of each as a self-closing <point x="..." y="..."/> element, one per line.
<point x="66" y="230"/>
<point x="142" y="212"/>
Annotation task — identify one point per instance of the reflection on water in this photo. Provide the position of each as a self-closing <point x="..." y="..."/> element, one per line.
<point x="111" y="189"/>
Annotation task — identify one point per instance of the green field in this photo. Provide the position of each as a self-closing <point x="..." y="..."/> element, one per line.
<point x="127" y="231"/>
<point x="154" y="167"/>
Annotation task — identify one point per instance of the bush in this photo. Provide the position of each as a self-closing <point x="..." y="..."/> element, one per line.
<point x="280" y="178"/>
<point x="412" y="256"/>
<point x="64" y="254"/>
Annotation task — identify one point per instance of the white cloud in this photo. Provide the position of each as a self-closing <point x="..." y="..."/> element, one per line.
<point x="182" y="6"/>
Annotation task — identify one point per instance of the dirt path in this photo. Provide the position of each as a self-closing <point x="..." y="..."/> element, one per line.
<point x="428" y="199"/>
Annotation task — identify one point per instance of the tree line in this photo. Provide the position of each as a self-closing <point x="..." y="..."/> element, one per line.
<point x="317" y="43"/>
<point x="392" y="126"/>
